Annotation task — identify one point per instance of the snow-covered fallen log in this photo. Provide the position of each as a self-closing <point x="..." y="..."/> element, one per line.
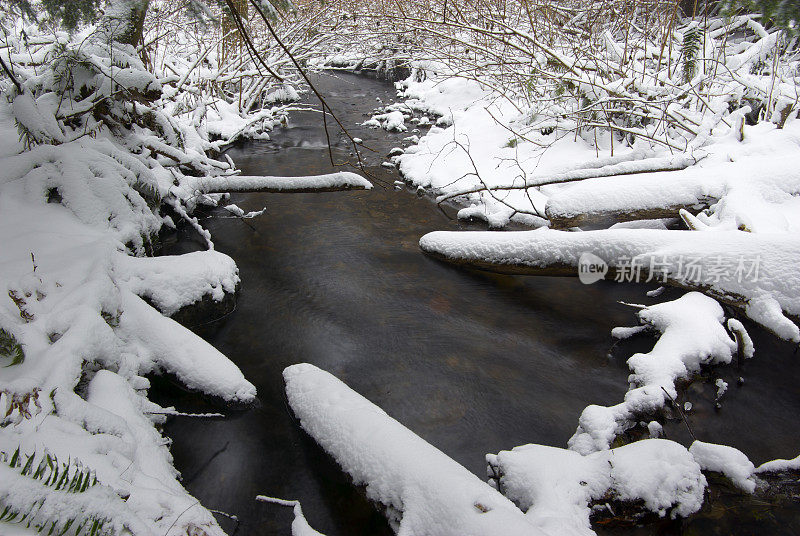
<point x="167" y="346"/>
<point x="423" y="490"/>
<point x="663" y="194"/>
<point x="633" y="164"/>
<point x="556" y="487"/>
<point x="756" y="272"/>
<point x="331" y="182"/>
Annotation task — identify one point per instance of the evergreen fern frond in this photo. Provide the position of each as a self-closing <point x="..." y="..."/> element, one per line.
<point x="66" y="477"/>
<point x="11" y="348"/>
<point x="47" y="469"/>
<point x="690" y="50"/>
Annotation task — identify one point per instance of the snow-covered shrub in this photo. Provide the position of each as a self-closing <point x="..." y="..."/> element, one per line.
<point x="102" y="165"/>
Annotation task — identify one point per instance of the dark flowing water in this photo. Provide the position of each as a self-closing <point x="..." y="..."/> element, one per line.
<point x="472" y="362"/>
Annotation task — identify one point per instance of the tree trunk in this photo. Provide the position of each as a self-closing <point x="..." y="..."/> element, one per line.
<point x="123" y="21"/>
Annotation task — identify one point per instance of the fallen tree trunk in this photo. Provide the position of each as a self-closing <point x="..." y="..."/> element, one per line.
<point x="422" y="489"/>
<point x="558" y="269"/>
<point x="632" y="164"/>
<point x="332" y="182"/>
<point x="749" y="271"/>
<point x="605" y="200"/>
<point x="606" y="218"/>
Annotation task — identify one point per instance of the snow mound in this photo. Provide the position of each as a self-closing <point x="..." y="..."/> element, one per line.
<point x="556" y="486"/>
<point x="175" y="281"/>
<point x="779" y="465"/>
<point x="391" y="121"/>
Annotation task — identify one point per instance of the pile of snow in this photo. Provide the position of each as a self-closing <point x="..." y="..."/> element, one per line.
<point x="726" y="460"/>
<point x="174" y="281"/>
<point x="224" y="122"/>
<point x="779" y="465"/>
<point x="556" y="486"/>
<point x="391" y="121"/>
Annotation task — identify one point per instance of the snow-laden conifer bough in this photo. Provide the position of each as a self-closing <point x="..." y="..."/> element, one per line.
<point x="106" y="159"/>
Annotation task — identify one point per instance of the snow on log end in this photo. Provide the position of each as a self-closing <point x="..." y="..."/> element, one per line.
<point x="729" y="461"/>
<point x="331" y="182"/>
<point x="424" y="491"/>
<point x="779" y="465"/>
<point x="300" y="526"/>
<point x="171" y="282"/>
<point x="174" y="349"/>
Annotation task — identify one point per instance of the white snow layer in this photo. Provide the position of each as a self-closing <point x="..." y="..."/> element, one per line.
<point x="748" y="174"/>
<point x="76" y="306"/>
<point x="555" y="486"/>
<point x="758" y="193"/>
<point x="726" y="460"/>
<point x="424" y="491"/>
<point x="300" y="526"/>
<point x="392" y="121"/>
<point x="779" y="465"/>
<point x="174" y="281"/>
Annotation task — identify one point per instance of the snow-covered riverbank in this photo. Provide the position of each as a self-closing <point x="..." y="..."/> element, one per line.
<point x="76" y="309"/>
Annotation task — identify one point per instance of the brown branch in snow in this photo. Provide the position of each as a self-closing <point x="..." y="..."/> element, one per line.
<point x="11" y="75"/>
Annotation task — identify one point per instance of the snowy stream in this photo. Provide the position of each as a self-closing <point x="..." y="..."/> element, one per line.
<point x="472" y="362"/>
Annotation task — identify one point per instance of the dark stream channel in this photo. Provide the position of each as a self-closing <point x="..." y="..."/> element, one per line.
<point x="472" y="362"/>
